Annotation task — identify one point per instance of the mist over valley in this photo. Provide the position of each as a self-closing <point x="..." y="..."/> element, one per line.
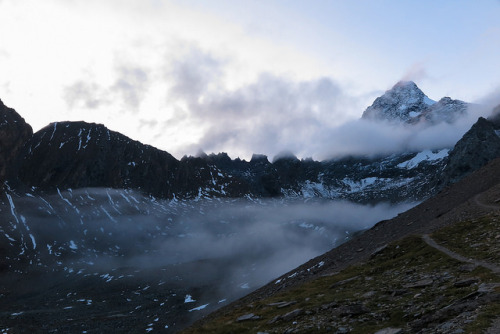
<point x="201" y="253"/>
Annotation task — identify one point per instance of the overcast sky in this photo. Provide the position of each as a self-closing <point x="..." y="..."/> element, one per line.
<point x="244" y="76"/>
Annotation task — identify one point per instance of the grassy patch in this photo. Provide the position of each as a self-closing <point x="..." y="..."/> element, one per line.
<point x="478" y="239"/>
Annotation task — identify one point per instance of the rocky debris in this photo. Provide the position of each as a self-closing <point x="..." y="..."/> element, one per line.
<point x="292" y="314"/>
<point x="14" y="134"/>
<point x="390" y="330"/>
<point x="495" y="327"/>
<point x="288" y="316"/>
<point x="337" y="284"/>
<point x="283" y="304"/>
<point x="466" y="282"/>
<point x="468" y="267"/>
<point x="419" y="284"/>
<point x="329" y="305"/>
<point x="352" y="310"/>
<point x="487" y="287"/>
<point x="463" y="306"/>
<point x="246" y="317"/>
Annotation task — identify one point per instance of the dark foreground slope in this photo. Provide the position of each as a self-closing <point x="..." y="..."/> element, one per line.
<point x="392" y="274"/>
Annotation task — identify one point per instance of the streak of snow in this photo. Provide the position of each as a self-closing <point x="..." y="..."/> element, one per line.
<point x="67" y="201"/>
<point x="12" y="207"/>
<point x="107" y="214"/>
<point x="33" y="241"/>
<point x="199" y="308"/>
<point x="54" y="131"/>
<point x="80" y="140"/>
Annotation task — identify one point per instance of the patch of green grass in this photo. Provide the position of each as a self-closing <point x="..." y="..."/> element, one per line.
<point x="484" y="319"/>
<point x="478" y="239"/>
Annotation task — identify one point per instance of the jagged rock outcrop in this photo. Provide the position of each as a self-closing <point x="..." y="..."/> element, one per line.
<point x="445" y="110"/>
<point x="406" y="103"/>
<point x="14" y="133"/>
<point x="475" y="149"/>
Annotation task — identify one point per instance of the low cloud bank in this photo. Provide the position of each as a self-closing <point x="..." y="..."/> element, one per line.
<point x="247" y="242"/>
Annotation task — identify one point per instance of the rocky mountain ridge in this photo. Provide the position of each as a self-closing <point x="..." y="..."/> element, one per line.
<point x="78" y="154"/>
<point x="66" y="155"/>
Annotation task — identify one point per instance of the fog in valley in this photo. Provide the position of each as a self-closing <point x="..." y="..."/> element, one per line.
<point x="202" y="253"/>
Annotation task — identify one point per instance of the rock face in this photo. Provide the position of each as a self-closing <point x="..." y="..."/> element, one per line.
<point x="78" y="154"/>
<point x="445" y="110"/>
<point x="14" y="133"/>
<point x="406" y="103"/>
<point x="477" y="147"/>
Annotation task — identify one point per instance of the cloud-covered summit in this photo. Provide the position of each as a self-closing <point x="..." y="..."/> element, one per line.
<point x="401" y="103"/>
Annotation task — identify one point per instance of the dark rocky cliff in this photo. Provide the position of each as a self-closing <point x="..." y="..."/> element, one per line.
<point x="14" y="133"/>
<point x="475" y="149"/>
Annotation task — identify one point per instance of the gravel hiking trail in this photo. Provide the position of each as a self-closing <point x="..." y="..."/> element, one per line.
<point x="432" y="243"/>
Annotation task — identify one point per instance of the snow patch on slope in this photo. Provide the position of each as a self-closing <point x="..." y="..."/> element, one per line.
<point x="426" y="155"/>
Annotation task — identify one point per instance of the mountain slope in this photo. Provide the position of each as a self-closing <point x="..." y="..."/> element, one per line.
<point x="79" y="154"/>
<point x="463" y="203"/>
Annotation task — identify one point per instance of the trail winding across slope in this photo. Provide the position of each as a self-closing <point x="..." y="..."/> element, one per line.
<point x="434" y="244"/>
<point x="484" y="205"/>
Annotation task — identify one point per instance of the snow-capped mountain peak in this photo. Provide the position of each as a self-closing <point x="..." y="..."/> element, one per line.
<point x="406" y="103"/>
<point x="401" y="103"/>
